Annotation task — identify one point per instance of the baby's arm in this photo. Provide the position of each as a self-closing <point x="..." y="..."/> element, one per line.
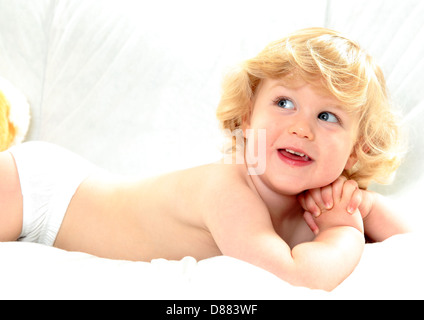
<point x="242" y="228"/>
<point x="382" y="220"/>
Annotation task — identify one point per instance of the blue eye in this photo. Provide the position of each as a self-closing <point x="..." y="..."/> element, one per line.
<point x="285" y="104"/>
<point x="328" y="117"/>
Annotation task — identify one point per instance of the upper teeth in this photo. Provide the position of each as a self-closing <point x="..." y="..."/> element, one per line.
<point x="296" y="153"/>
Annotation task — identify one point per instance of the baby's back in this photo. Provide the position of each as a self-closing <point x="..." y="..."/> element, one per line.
<point x="161" y="217"/>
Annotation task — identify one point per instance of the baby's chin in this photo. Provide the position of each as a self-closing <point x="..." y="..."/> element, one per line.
<point x="295" y="190"/>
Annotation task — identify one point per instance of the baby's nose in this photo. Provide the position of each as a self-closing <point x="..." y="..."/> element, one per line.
<point x="302" y="129"/>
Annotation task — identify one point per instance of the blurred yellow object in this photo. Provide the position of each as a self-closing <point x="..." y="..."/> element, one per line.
<point x="7" y="129"/>
<point x="14" y="115"/>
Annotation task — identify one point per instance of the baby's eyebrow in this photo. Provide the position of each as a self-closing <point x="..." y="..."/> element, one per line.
<point x="337" y="106"/>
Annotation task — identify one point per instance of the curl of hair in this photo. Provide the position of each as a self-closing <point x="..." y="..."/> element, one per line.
<point x="329" y="61"/>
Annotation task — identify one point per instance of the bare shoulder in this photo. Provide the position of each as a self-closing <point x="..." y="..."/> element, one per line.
<point x="211" y="190"/>
<point x="235" y="213"/>
<point x="229" y="187"/>
<point x="10" y="199"/>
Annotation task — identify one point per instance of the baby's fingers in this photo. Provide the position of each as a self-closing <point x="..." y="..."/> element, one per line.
<point x="318" y="200"/>
<point x="355" y="201"/>
<point x="352" y="195"/>
<point x="307" y="216"/>
<point x="327" y="197"/>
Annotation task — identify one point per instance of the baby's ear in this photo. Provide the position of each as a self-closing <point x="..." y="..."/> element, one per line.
<point x="245" y="124"/>
<point x="353" y="158"/>
<point x="245" y="121"/>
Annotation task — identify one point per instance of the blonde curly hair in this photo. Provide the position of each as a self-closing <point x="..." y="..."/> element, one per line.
<point x="343" y="69"/>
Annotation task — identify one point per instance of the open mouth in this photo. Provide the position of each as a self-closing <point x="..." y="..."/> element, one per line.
<point x="294" y="155"/>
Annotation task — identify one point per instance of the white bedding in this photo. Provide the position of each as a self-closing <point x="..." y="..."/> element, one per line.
<point x="133" y="85"/>
<point x="388" y="270"/>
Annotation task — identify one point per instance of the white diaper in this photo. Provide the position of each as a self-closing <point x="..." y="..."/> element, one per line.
<point x="49" y="177"/>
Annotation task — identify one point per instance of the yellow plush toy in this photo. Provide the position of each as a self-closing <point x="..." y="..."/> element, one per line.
<point x="14" y="115"/>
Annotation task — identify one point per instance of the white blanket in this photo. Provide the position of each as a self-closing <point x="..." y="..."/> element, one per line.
<point x="388" y="270"/>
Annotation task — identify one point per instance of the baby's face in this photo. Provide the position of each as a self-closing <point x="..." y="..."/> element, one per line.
<point x="309" y="137"/>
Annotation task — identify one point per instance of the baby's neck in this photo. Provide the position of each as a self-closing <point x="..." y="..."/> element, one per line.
<point x="280" y="206"/>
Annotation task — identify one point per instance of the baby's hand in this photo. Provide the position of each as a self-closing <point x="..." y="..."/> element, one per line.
<point x="321" y="200"/>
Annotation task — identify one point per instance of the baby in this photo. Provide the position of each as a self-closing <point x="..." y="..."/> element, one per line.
<point x="315" y="126"/>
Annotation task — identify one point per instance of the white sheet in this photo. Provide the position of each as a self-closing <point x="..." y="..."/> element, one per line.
<point x="133" y="86"/>
<point x="388" y="270"/>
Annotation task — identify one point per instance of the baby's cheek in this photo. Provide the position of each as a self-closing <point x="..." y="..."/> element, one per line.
<point x="329" y="174"/>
